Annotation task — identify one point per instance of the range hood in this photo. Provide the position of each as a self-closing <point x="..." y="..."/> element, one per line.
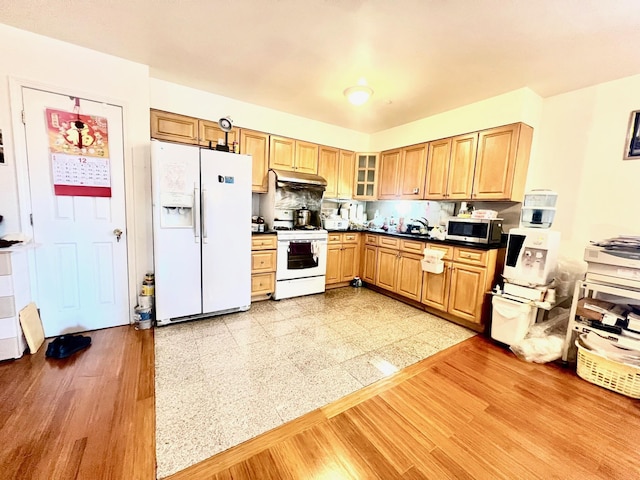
<point x="285" y="178"/>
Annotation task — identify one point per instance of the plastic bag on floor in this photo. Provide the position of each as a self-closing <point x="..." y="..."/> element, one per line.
<point x="544" y="341"/>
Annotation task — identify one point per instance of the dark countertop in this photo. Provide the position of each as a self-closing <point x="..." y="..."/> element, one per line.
<point x="267" y="232"/>
<point x="425" y="238"/>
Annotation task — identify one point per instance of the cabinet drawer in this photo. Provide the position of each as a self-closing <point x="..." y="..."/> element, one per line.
<point x="263" y="242"/>
<point x="470" y="256"/>
<point x="5" y="264"/>
<point x="7" y="307"/>
<point x="334" y="238"/>
<point x="263" y="261"/>
<point x="349" y="238"/>
<point x="414" y="246"/>
<point x="263" y="283"/>
<point x="389" y="242"/>
<point x="447" y="249"/>
<point x="371" y="239"/>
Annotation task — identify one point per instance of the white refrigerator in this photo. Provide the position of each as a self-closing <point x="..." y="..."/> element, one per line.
<point x="201" y="231"/>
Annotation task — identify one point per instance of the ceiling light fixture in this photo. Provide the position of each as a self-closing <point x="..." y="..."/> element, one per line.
<point x="358" y="94"/>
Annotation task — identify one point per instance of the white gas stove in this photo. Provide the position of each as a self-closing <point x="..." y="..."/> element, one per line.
<point x="302" y="262"/>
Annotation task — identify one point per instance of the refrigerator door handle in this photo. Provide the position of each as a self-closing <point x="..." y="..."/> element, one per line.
<point x="196" y="214"/>
<point x="204" y="216"/>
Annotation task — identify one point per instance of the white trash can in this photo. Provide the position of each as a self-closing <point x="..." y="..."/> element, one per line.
<point x="511" y="320"/>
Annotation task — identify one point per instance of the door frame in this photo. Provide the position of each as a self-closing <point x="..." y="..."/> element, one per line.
<point x="22" y="172"/>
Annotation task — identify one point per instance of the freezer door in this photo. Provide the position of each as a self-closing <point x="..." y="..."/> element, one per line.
<point x="176" y="235"/>
<point x="226" y="230"/>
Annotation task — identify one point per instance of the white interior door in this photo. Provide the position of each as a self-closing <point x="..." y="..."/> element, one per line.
<point x="81" y="264"/>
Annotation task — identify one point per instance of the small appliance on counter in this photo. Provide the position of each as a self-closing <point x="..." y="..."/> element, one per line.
<point x="336" y="223"/>
<point x="475" y="230"/>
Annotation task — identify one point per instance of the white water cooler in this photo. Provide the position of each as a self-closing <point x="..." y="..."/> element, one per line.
<point x="530" y="266"/>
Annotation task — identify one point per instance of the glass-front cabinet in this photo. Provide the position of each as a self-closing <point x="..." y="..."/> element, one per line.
<point x="366" y="184"/>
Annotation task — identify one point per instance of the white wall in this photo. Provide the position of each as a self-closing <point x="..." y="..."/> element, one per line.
<point x="196" y="103"/>
<point x="518" y="106"/>
<point x="62" y="67"/>
<point x="580" y="145"/>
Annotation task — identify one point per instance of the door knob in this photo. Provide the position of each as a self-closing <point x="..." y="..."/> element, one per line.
<point x="118" y="233"/>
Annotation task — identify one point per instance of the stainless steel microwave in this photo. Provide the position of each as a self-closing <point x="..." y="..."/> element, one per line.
<point x="475" y="230"/>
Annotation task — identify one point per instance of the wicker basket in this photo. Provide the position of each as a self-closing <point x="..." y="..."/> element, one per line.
<point x="615" y="376"/>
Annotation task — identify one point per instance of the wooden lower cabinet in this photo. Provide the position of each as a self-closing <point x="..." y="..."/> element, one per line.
<point x="460" y="293"/>
<point x="369" y="262"/>
<point x="263" y="266"/>
<point x="461" y="290"/>
<point x="467" y="292"/>
<point x="399" y="272"/>
<point x="435" y="288"/>
<point x="409" y="276"/>
<point x="342" y="258"/>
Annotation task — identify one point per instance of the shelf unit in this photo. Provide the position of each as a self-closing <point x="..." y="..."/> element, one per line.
<point x="589" y="289"/>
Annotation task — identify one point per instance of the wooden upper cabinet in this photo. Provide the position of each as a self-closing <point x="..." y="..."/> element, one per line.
<point x="210" y="132"/>
<point x="256" y="144"/>
<point x="437" y="169"/>
<point x="346" y="173"/>
<point x="173" y="127"/>
<point x="461" y="166"/>
<point x="328" y="168"/>
<point x="306" y="159"/>
<point x="413" y="169"/>
<point x="502" y="162"/>
<point x="293" y="155"/>
<point x="366" y="181"/>
<point x="402" y="173"/>
<point x="388" y="174"/>
<point x="281" y="153"/>
<point x="184" y="129"/>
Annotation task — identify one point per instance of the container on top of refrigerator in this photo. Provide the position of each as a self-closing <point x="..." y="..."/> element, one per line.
<point x="538" y="209"/>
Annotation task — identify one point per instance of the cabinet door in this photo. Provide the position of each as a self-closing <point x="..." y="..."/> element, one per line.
<point x="463" y="157"/>
<point x="495" y="164"/>
<point x="438" y="169"/>
<point x="174" y="127"/>
<point x="306" y="159"/>
<point x="349" y="267"/>
<point x="388" y="175"/>
<point x="467" y="292"/>
<point x="334" y="259"/>
<point x="281" y="153"/>
<point x="366" y="182"/>
<point x="256" y="144"/>
<point x="409" y="280"/>
<point x="210" y="133"/>
<point x="435" y="288"/>
<point x="412" y="171"/>
<point x="369" y="264"/>
<point x="386" y="268"/>
<point x="328" y="169"/>
<point x="346" y="174"/>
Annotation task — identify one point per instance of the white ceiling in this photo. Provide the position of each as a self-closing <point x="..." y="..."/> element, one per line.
<point x="421" y="57"/>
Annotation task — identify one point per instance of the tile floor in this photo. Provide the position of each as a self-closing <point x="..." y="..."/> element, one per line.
<point x="224" y="380"/>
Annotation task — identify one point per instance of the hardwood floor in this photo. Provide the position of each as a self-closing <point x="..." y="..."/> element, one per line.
<point x="472" y="411"/>
<point x="90" y="416"/>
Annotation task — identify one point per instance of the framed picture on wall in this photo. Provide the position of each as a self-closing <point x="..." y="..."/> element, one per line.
<point x="632" y="145"/>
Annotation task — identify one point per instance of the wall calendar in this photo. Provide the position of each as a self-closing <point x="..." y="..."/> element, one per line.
<point x="79" y="150"/>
